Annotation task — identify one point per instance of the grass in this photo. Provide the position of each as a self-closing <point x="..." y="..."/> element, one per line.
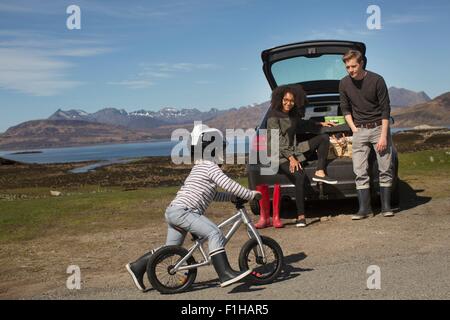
<point x="81" y="212"/>
<point x="29" y="213"/>
<point x="435" y="162"/>
<point x="426" y="172"/>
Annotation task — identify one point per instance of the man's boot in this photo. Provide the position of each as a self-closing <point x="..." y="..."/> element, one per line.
<point x="138" y="268"/>
<point x="385" y="195"/>
<point x="264" y="207"/>
<point x="276" y="221"/>
<point x="364" y="204"/>
<point x="226" y="274"/>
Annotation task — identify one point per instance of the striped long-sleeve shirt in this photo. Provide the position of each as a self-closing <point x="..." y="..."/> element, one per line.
<point x="199" y="188"/>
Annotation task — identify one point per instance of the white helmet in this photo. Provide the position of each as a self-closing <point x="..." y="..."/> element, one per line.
<point x="202" y="136"/>
<point x="201" y="133"/>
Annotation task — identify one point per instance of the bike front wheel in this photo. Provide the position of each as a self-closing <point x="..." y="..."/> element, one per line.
<point x="159" y="270"/>
<point x="250" y="257"/>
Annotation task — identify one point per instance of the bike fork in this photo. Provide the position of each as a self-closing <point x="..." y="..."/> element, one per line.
<point x="259" y="249"/>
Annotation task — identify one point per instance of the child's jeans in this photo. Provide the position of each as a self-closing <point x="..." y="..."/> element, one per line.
<point x="190" y="220"/>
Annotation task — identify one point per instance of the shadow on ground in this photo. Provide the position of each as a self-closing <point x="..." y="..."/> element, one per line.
<point x="409" y="198"/>
<point x="288" y="272"/>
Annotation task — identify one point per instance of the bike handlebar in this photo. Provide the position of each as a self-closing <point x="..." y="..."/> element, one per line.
<point x="239" y="202"/>
<point x="258" y="196"/>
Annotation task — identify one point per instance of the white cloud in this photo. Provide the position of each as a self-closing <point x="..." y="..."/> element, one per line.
<point x="37" y="65"/>
<point x="11" y="8"/>
<point x="106" y="8"/>
<point x="154" y="74"/>
<point x="203" y="82"/>
<point x="81" y="52"/>
<point x="128" y="12"/>
<point x="153" y="71"/>
<point x="32" y="73"/>
<point x="133" y="84"/>
<point x="27" y="39"/>
<point x="339" y="33"/>
<point x="180" y="67"/>
<point x="46" y="7"/>
<point x="406" y="19"/>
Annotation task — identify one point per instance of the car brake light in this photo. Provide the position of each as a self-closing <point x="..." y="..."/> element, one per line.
<point x="259" y="143"/>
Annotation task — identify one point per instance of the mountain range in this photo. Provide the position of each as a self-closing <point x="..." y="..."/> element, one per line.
<point x="110" y="125"/>
<point x="138" y="120"/>
<point x="405" y="98"/>
<point x="161" y="123"/>
<point x="434" y="113"/>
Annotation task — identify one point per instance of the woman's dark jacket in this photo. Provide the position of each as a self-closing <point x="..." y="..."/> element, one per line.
<point x="288" y="125"/>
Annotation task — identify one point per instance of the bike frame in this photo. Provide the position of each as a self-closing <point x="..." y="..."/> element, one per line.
<point x="239" y="218"/>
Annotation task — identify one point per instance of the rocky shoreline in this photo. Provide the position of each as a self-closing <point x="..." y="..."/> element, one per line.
<point x="159" y="171"/>
<point x="422" y="139"/>
<point x="146" y="172"/>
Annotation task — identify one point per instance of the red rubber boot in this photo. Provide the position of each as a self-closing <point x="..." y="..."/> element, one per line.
<point x="276" y="207"/>
<point x="264" y="207"/>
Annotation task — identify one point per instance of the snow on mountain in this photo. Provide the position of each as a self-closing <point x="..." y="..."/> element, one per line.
<point x="139" y="119"/>
<point x="69" y="115"/>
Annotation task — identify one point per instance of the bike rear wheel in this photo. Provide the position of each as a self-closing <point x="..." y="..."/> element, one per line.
<point x="250" y="257"/>
<point x="159" y="270"/>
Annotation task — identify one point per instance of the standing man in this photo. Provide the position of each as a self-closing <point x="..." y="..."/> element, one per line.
<point x="365" y="104"/>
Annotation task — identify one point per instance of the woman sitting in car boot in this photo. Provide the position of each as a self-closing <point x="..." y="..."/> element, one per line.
<point x="287" y="111"/>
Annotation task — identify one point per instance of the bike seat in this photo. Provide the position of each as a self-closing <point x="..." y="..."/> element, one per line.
<point x="195" y="237"/>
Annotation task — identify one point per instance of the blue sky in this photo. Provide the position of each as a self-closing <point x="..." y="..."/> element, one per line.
<point x="195" y="53"/>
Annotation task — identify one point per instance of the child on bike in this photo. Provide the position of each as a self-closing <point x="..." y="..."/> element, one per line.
<point x="185" y="212"/>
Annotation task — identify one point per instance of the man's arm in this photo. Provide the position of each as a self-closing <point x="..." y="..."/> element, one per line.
<point x="345" y="107"/>
<point x="351" y="124"/>
<point x="383" y="100"/>
<point x="344" y="101"/>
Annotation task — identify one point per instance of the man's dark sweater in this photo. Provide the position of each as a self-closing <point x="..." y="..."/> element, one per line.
<point x="367" y="100"/>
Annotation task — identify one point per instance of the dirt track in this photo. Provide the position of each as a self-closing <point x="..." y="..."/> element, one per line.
<point x="328" y="259"/>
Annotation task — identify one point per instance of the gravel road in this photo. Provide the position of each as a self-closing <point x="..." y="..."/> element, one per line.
<point x="327" y="260"/>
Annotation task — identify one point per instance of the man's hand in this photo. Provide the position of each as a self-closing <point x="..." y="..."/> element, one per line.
<point x="294" y="164"/>
<point x="351" y="124"/>
<point x="382" y="144"/>
<point x="327" y="124"/>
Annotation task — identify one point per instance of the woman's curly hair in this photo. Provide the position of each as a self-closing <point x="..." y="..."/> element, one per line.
<point x="299" y="97"/>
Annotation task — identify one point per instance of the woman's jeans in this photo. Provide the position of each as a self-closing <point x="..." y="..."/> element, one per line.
<point x="320" y="143"/>
<point x="298" y="179"/>
<point x="181" y="220"/>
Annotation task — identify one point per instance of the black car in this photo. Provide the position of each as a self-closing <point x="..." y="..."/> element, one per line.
<point x="317" y="66"/>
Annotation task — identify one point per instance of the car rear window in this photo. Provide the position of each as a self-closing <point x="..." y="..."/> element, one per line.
<point x="301" y="69"/>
